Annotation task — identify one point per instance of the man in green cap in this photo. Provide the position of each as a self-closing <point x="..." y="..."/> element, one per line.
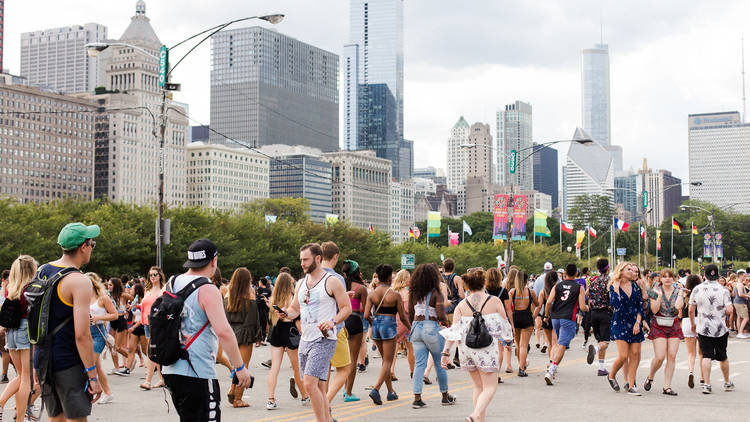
<point x="71" y="384"/>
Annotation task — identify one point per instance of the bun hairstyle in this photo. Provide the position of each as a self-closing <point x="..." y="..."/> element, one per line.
<point x="384" y="272"/>
<point x="474" y="280"/>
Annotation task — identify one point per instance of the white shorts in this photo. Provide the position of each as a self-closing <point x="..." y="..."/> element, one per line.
<point x="687" y="329"/>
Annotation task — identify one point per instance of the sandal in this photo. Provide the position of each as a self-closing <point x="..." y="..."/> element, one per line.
<point x="159" y="384"/>
<point x="647" y="384"/>
<point x="238" y="403"/>
<point x="146" y="386"/>
<point x="668" y="391"/>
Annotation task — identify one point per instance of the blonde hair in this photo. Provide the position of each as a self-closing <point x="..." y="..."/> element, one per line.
<point x="21" y="273"/>
<point x="96" y="283"/>
<point x="401" y="281"/>
<point x="283" y="291"/>
<point x="518" y="284"/>
<point x="493" y="279"/>
<point x="511" y="277"/>
<point x="617" y="274"/>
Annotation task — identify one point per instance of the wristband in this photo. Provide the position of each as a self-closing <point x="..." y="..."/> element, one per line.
<point x="90" y="369"/>
<point x="445" y="354"/>
<point x="235" y="370"/>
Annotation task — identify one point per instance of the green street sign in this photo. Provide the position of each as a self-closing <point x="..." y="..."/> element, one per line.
<point x="645" y="199"/>
<point x="407" y="261"/>
<point x="513" y="155"/>
<point x="163" y="65"/>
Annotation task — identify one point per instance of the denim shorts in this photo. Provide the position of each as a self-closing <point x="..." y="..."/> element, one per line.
<point x="99" y="340"/>
<point x="147" y="331"/>
<point x="365" y="323"/>
<point x="384" y="327"/>
<point x="565" y="329"/>
<point x="18" y="338"/>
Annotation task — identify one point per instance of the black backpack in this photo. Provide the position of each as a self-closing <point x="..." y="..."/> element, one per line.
<point x="478" y="336"/>
<point x="10" y="313"/>
<point x="164" y="321"/>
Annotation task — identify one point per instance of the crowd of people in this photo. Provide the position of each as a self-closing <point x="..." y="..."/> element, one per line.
<point x="330" y="319"/>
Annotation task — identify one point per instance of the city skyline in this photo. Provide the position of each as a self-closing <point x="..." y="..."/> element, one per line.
<point x="656" y="79"/>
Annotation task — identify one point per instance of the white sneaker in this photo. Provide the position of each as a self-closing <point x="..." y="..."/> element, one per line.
<point x="271" y="405"/>
<point x="548" y="377"/>
<point x="742" y="335"/>
<point x="106" y="398"/>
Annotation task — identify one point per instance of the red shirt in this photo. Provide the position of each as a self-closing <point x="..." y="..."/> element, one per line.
<point x="24" y="304"/>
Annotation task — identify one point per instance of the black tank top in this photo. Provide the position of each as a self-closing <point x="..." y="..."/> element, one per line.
<point x="64" y="350"/>
<point x="566" y="300"/>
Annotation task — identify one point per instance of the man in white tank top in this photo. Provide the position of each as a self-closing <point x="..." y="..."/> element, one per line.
<point x="316" y="301"/>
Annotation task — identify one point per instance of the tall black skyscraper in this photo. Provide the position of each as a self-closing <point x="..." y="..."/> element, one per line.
<point x="545" y="172"/>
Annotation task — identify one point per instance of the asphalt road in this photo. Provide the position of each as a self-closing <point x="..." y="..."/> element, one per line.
<point x="578" y="394"/>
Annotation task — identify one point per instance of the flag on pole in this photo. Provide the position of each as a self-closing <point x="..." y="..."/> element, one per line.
<point x="580" y="235"/>
<point x="566" y="227"/>
<point x="592" y="232"/>
<point x="643" y="232"/>
<point x="540" y="225"/>
<point x="453" y="239"/>
<point x="621" y="225"/>
<point x="694" y="228"/>
<point x="467" y="228"/>
<point x="371" y="229"/>
<point x="417" y="233"/>
<point x="411" y="232"/>
<point x="676" y="225"/>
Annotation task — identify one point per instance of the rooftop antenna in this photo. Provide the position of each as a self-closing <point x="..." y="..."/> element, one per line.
<point x="601" y="26"/>
<point x="743" y="78"/>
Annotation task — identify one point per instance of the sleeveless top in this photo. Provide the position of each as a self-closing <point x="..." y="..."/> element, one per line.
<point x="316" y="306"/>
<point x="566" y="300"/>
<point x="667" y="308"/>
<point x="203" y="350"/>
<point x="96" y="310"/>
<point x="422" y="308"/>
<point x="64" y="350"/>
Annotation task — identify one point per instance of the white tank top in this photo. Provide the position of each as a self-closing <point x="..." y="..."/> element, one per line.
<point x="315" y="307"/>
<point x="96" y="310"/>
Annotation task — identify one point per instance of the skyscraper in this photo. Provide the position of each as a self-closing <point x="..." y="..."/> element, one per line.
<point x="457" y="155"/>
<point x="269" y="88"/>
<point x="545" y="172"/>
<point x="57" y="59"/>
<point x="514" y="133"/>
<point x="595" y="93"/>
<point x="2" y="31"/>
<point x="373" y="78"/>
<point x="589" y="170"/>
<point x="719" y="148"/>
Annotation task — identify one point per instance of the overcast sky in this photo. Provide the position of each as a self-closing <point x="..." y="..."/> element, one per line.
<point x="668" y="58"/>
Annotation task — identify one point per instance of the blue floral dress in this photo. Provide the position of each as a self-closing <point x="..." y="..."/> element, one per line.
<point x="625" y="312"/>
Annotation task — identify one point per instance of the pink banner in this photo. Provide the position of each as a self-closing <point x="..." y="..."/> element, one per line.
<point x="500" y="219"/>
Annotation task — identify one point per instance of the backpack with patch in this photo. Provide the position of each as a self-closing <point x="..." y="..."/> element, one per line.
<point x="10" y="313"/>
<point x="478" y="336"/>
<point x="165" y="320"/>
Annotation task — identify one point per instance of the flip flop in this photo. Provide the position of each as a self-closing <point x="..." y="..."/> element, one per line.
<point x="146" y="386"/>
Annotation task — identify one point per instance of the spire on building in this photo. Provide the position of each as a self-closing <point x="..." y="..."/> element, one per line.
<point x="140" y="27"/>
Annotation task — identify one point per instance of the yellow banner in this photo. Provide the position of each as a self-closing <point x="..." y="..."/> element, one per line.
<point x="580" y="235"/>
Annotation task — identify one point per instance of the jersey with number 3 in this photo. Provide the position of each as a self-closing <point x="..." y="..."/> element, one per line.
<point x="566" y="300"/>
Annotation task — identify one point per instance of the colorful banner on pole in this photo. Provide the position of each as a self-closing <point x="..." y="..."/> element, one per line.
<point x="500" y="217"/>
<point x="719" y="242"/>
<point x="540" y="225"/>
<point x="707" y="252"/>
<point x="580" y="235"/>
<point x="433" y="224"/>
<point x="453" y="239"/>
<point x="332" y="219"/>
<point x="519" y="217"/>
<point x="658" y="240"/>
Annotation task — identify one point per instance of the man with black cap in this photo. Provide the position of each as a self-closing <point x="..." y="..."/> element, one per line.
<point x="709" y="305"/>
<point x="193" y="384"/>
<point x="71" y="384"/>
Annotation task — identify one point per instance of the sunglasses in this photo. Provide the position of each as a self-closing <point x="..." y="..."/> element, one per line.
<point x="306" y="300"/>
<point x="92" y="243"/>
<point x="154" y="275"/>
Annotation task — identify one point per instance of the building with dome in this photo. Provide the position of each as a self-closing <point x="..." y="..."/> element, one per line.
<point x="127" y="139"/>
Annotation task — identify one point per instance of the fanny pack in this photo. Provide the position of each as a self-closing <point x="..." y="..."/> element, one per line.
<point x="664" y="321"/>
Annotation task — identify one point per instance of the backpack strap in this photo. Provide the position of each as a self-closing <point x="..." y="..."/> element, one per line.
<point x="485" y="302"/>
<point x="184" y="293"/>
<point x="381" y="300"/>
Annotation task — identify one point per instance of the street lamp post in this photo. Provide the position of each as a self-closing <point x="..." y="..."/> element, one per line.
<point x="165" y="72"/>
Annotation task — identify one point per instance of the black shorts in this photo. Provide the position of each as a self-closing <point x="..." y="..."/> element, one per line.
<point x="600" y="323"/>
<point x="354" y="325"/>
<point x="119" y="324"/>
<point x="714" y="348"/>
<point x="195" y="399"/>
<point x="139" y="331"/>
<point x="523" y="319"/>
<point x="280" y="334"/>
<point x="64" y="392"/>
<point x="547" y="324"/>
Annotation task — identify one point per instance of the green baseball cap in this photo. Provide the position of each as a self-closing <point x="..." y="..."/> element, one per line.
<point x="74" y="234"/>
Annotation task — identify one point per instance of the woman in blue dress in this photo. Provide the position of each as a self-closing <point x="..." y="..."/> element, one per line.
<point x="625" y="297"/>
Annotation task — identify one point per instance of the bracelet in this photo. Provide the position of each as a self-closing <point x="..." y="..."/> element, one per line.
<point x="446" y="354"/>
<point x="94" y="379"/>
<point x="235" y="370"/>
<point x="90" y="369"/>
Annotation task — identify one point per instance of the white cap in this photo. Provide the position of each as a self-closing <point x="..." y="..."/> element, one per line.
<point x="548" y="266"/>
